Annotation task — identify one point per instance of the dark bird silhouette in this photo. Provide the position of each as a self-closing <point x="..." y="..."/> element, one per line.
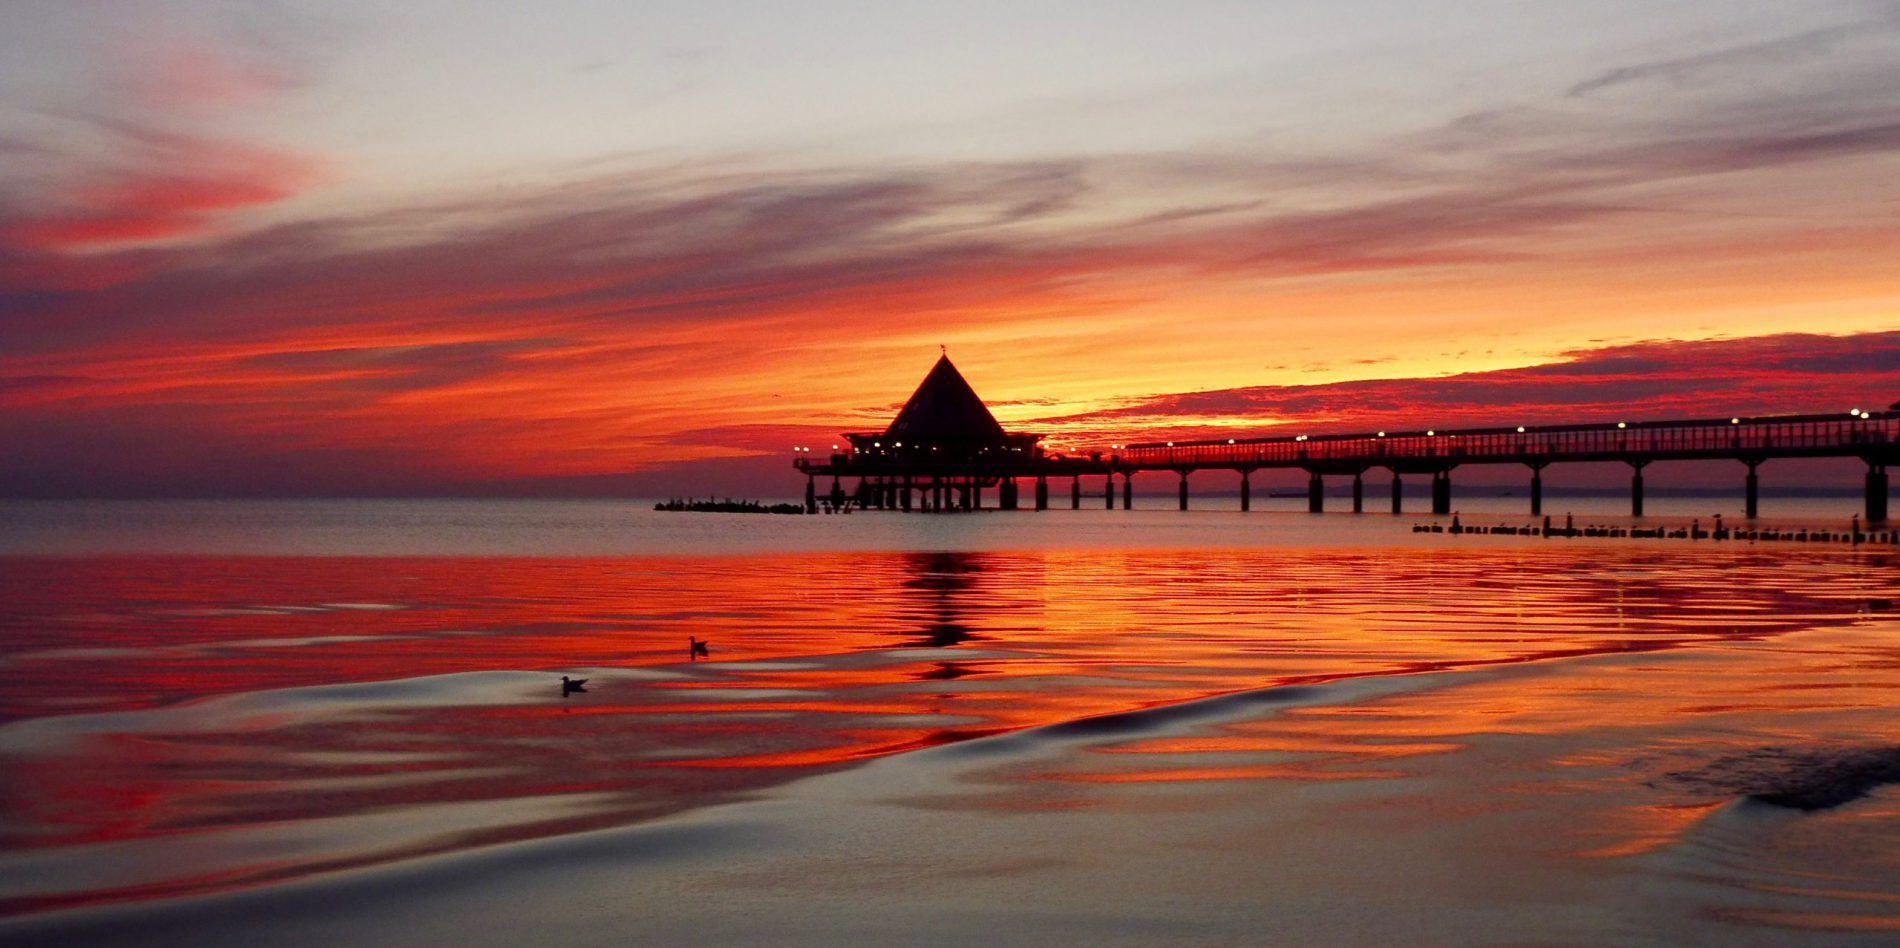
<point x="571" y="685"/>
<point x="695" y="648"/>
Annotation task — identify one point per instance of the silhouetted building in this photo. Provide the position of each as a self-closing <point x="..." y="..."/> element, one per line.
<point x="944" y="421"/>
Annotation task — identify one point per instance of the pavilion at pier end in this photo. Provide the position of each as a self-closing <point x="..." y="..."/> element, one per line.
<point x="941" y="453"/>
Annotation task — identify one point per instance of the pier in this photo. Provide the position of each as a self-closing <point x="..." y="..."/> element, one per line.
<point x="944" y="450"/>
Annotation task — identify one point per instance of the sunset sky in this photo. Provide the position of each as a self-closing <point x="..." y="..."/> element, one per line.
<point x="583" y="248"/>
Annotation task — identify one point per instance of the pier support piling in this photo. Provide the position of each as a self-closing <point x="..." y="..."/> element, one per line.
<point x="811" y="496"/>
<point x="1246" y="491"/>
<point x="1075" y="492"/>
<point x="1315" y="493"/>
<point x="1537" y="489"/>
<point x="1108" y="491"/>
<point x="1183" y="490"/>
<point x="1358" y="493"/>
<point x="1636" y="488"/>
<point x="1751" y="499"/>
<point x="1398" y="493"/>
<point x="1441" y="492"/>
<point x="1876" y="493"/>
<point x="1042" y="493"/>
<point x="1128" y="491"/>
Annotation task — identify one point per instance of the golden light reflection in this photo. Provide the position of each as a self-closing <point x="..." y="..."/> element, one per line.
<point x="1640" y="829"/>
<point x="246" y="692"/>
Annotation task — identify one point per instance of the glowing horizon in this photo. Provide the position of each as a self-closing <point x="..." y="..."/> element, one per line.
<point x="334" y="248"/>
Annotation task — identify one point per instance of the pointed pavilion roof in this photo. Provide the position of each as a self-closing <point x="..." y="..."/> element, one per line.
<point x="945" y="407"/>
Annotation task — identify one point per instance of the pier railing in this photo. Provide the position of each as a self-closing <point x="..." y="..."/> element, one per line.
<point x="1868" y="435"/>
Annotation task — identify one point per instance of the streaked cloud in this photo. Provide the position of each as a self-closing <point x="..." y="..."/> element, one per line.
<point x="1778" y="51"/>
<point x="195" y="280"/>
<point x="174" y="188"/>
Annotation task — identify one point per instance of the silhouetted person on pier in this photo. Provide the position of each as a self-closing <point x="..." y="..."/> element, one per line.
<point x="695" y="649"/>
<point x="1570" y="526"/>
<point x="1456" y="527"/>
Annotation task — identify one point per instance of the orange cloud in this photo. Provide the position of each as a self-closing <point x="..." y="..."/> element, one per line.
<point x="670" y="323"/>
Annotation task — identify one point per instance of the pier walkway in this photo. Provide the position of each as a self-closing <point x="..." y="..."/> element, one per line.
<point x="945" y="449"/>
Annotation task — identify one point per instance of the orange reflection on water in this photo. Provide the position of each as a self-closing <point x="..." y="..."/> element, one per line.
<point x="1231" y="772"/>
<point x="246" y="699"/>
<point x="1639" y="829"/>
<point x="1634" y="750"/>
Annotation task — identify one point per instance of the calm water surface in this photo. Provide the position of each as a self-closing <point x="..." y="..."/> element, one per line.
<point x="633" y="528"/>
<point x="202" y="696"/>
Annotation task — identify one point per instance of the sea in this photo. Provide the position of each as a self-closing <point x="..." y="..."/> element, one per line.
<point x="344" y="721"/>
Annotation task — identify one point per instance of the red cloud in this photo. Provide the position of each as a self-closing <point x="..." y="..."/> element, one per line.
<point x="170" y="194"/>
<point x="609" y="326"/>
<point x="95" y="229"/>
<point x="180" y="198"/>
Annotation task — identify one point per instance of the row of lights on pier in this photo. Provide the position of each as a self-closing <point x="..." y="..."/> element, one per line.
<point x="1433" y="433"/>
